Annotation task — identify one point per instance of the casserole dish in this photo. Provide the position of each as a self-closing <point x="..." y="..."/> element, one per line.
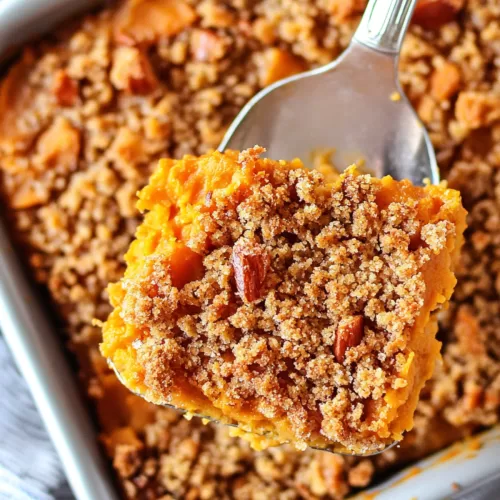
<point x="23" y="325"/>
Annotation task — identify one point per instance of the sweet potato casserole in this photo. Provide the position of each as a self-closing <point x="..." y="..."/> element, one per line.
<point x="85" y="115"/>
<point x="259" y="293"/>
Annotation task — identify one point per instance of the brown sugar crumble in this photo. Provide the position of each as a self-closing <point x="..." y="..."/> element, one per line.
<point x="73" y="211"/>
<point x="297" y="308"/>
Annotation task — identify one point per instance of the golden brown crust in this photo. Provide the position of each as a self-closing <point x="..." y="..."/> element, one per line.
<point x="349" y="334"/>
<point x="250" y="265"/>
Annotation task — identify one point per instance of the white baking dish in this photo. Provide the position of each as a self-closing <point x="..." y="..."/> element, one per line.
<point x="40" y="356"/>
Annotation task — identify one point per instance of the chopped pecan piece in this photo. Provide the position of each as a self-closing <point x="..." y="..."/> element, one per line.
<point x="250" y="263"/>
<point x="132" y="71"/>
<point x="65" y="88"/>
<point x="349" y="334"/>
<point x="432" y="14"/>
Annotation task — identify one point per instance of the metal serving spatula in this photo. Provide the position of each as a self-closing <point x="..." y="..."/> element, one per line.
<point x="354" y="104"/>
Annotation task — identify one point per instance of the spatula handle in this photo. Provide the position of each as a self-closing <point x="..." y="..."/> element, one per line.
<point x="384" y="24"/>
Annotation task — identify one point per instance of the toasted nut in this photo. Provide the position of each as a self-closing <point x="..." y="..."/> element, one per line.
<point x="65" y="88"/>
<point x="432" y="14"/>
<point x="349" y="334"/>
<point x="445" y="81"/>
<point x="250" y="263"/>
